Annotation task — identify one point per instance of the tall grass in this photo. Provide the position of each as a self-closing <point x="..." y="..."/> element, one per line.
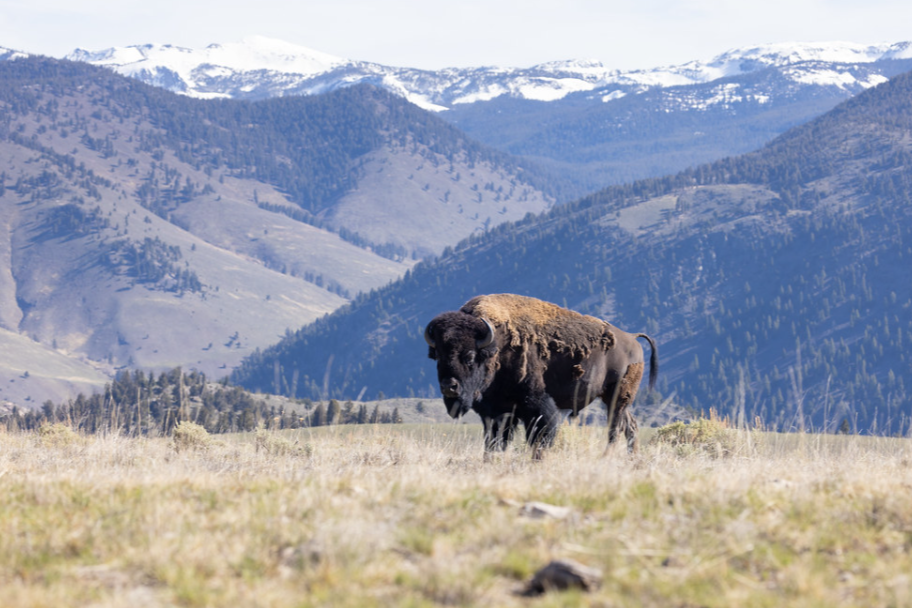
<point x="411" y="515"/>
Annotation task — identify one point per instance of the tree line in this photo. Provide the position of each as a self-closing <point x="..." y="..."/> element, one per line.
<point x="141" y="403"/>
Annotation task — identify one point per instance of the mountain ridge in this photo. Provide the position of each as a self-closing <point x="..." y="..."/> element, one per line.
<point x="593" y="125"/>
<point x="195" y="71"/>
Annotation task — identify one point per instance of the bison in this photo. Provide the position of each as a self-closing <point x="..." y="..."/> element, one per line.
<point x="518" y="359"/>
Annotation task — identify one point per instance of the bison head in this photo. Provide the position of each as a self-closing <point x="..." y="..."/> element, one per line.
<point x="462" y="345"/>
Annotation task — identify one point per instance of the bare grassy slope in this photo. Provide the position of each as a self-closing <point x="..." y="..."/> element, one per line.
<point x="423" y="201"/>
<point x="379" y="516"/>
<point x="71" y="220"/>
<point x="31" y="373"/>
<point x="82" y="291"/>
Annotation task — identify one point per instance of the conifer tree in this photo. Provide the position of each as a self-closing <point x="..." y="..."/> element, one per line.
<point x="348" y="415"/>
<point x="332" y="412"/>
<point x="318" y="418"/>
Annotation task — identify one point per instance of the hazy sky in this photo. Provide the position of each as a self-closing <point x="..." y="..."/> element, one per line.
<point x="431" y="34"/>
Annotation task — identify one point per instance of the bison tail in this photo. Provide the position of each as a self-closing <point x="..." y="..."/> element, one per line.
<point x="653" y="361"/>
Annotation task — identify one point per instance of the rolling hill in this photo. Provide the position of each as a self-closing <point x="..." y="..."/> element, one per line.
<point x="776" y="282"/>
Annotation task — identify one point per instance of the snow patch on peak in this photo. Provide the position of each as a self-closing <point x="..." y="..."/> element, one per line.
<point x="900" y="50"/>
<point x="796" y="52"/>
<point x="261" y="53"/>
<point x="587" y="69"/>
<point x="542" y="89"/>
<point x="251" y="54"/>
<point x="10" y="54"/>
<point x="834" y="78"/>
<point x="615" y="94"/>
<point x="116" y="56"/>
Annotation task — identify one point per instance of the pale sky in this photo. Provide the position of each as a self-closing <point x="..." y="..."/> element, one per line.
<point x="623" y="34"/>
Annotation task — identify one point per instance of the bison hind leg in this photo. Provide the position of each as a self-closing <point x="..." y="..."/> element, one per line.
<point x="618" y="398"/>
<point x="631" y="433"/>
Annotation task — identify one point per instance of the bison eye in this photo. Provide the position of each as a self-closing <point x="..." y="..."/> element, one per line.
<point x="469" y="358"/>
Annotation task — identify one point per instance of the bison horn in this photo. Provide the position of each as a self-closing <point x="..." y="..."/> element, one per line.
<point x="427" y="336"/>
<point x="488" y="338"/>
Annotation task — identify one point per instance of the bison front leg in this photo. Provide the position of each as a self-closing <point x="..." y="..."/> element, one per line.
<point x="542" y="419"/>
<point x="498" y="433"/>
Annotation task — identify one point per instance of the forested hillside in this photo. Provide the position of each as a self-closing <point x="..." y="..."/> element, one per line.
<point x="776" y="282"/>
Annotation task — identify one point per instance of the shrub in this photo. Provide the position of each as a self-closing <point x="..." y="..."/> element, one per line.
<point x="277" y="445"/>
<point x="710" y="436"/>
<point x="190" y="436"/>
<point x="56" y="435"/>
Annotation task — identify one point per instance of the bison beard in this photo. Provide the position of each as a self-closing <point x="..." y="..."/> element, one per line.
<point x="516" y="359"/>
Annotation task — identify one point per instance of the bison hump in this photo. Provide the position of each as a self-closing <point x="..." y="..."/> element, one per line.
<point x="530" y="324"/>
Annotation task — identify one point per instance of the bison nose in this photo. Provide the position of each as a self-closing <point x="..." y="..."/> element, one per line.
<point x="449" y="387"/>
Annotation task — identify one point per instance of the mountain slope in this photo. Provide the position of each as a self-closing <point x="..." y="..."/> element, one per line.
<point x="775" y="282"/>
<point x="664" y="130"/>
<point x="31" y="373"/>
<point x="315" y="150"/>
<point x="145" y="229"/>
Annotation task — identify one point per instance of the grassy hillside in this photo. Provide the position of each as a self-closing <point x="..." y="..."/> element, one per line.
<point x="31" y="373"/>
<point x="775" y="282"/>
<point x="394" y="515"/>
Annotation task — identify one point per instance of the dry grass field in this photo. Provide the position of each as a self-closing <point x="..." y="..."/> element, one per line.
<point x="400" y="515"/>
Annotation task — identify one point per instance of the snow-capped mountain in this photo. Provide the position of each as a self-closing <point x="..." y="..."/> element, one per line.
<point x="589" y="123"/>
<point x="259" y="67"/>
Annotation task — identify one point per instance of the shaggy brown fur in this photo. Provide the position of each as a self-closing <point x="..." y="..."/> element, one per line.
<point x="536" y="328"/>
<point x="630" y="384"/>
